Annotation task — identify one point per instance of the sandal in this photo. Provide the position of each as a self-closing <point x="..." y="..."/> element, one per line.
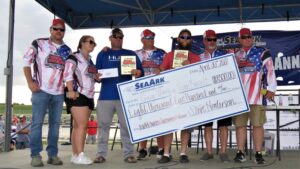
<point x="130" y="159"/>
<point x="99" y="159"/>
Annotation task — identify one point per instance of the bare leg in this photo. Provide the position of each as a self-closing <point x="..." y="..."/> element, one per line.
<point x="185" y="136"/>
<point x="160" y="142"/>
<point x="167" y="143"/>
<point x="74" y="147"/>
<point x="258" y="137"/>
<point x="241" y="136"/>
<point x="143" y="145"/>
<point x="208" y="136"/>
<point x="223" y="138"/>
<point x="81" y="117"/>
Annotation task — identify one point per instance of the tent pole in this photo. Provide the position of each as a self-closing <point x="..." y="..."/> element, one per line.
<point x="8" y="71"/>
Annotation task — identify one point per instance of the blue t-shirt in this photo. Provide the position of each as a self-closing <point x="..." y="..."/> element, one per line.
<point x="111" y="59"/>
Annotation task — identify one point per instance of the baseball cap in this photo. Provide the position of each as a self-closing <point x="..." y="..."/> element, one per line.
<point x="58" y="21"/>
<point x="147" y="32"/>
<point x="245" y="31"/>
<point x="209" y="33"/>
<point x="116" y="31"/>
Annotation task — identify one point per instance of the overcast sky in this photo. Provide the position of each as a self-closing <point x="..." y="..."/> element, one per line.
<point x="33" y="21"/>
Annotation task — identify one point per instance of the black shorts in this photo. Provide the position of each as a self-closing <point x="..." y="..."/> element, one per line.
<point x="81" y="101"/>
<point x="223" y="122"/>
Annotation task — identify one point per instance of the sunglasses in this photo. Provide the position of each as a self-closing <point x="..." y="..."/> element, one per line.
<point x="92" y="42"/>
<point x="211" y="39"/>
<point x="117" y="37"/>
<point x="246" y="37"/>
<point x="58" y="29"/>
<point x="148" y="37"/>
<point x="185" y="37"/>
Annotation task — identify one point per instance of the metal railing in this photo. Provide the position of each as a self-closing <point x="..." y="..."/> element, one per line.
<point x="17" y="132"/>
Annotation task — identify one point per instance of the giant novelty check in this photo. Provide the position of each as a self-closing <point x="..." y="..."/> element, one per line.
<point x="182" y="98"/>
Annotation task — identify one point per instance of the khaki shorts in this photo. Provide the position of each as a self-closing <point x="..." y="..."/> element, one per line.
<point x="257" y="117"/>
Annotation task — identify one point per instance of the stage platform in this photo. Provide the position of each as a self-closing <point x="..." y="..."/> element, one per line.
<point x="20" y="159"/>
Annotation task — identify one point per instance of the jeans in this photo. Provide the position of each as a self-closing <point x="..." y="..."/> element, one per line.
<point x="22" y="145"/>
<point x="43" y="103"/>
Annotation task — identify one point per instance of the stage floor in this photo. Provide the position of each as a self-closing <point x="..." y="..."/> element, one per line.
<point x="21" y="159"/>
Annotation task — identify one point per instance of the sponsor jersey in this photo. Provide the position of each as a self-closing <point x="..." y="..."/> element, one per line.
<point x="48" y="61"/>
<point x="151" y="59"/>
<point x="206" y="55"/>
<point x="84" y="71"/>
<point x="257" y="71"/>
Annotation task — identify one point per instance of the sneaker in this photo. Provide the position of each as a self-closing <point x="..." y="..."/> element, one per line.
<point x="259" y="159"/>
<point x="206" y="157"/>
<point x="160" y="154"/>
<point x="82" y="159"/>
<point x="99" y="159"/>
<point x="73" y="157"/>
<point x="240" y="157"/>
<point x="224" y="158"/>
<point x="184" y="159"/>
<point x="164" y="159"/>
<point x="36" y="161"/>
<point x="142" y="154"/>
<point x="54" y="161"/>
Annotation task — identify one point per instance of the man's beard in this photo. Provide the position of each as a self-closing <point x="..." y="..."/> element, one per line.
<point x="187" y="47"/>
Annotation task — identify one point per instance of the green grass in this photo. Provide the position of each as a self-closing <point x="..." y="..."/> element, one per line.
<point x="19" y="109"/>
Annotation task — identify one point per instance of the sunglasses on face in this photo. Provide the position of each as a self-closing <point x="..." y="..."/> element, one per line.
<point x="246" y="37"/>
<point x="117" y="37"/>
<point x="148" y="37"/>
<point x="211" y="39"/>
<point x="92" y="42"/>
<point x="185" y="37"/>
<point x="58" y="29"/>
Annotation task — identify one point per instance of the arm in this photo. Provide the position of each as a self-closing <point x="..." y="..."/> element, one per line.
<point x="270" y="74"/>
<point x="99" y="66"/>
<point x="68" y="77"/>
<point x="167" y="62"/>
<point x="28" y="59"/>
<point x="139" y="71"/>
<point x="33" y="86"/>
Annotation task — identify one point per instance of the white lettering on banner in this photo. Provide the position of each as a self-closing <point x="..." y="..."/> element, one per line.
<point x="182" y="98"/>
<point x="231" y="40"/>
<point x="286" y="63"/>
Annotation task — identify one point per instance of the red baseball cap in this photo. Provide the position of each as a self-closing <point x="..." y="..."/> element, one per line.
<point x="245" y="31"/>
<point x="58" y="21"/>
<point x="209" y="33"/>
<point x="147" y="32"/>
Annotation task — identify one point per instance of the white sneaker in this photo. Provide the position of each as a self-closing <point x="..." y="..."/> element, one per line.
<point x="73" y="158"/>
<point x="82" y="159"/>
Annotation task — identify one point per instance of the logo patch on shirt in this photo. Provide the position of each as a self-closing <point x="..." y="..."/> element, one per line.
<point x="246" y="66"/>
<point x="91" y="71"/>
<point x="55" y="61"/>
